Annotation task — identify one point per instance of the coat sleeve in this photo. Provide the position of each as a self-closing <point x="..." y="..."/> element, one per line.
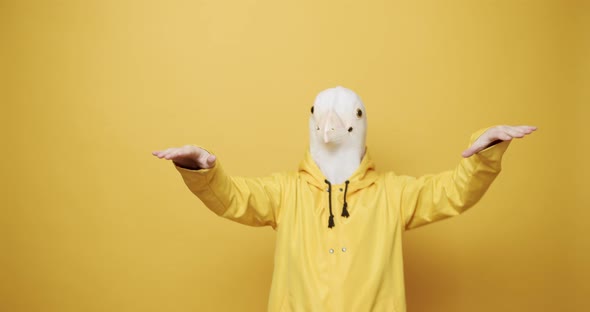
<point x="434" y="197"/>
<point x="250" y="201"/>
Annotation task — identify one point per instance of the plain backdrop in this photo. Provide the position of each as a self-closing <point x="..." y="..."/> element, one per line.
<point x="91" y="221"/>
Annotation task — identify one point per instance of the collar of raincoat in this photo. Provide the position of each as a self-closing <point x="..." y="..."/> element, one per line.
<point x="364" y="175"/>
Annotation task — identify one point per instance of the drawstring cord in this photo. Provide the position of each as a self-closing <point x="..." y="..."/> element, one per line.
<point x="344" y="207"/>
<point x="344" y="210"/>
<point x="331" y="218"/>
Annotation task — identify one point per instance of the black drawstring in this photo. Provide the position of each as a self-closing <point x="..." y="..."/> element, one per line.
<point x="344" y="210"/>
<point x="344" y="207"/>
<point x="331" y="219"/>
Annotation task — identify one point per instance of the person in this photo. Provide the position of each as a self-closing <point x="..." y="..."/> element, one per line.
<point x="339" y="222"/>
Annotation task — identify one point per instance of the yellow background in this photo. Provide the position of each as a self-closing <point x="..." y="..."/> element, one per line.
<point x="90" y="221"/>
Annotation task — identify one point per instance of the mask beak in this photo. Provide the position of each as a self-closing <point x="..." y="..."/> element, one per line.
<point x="333" y="128"/>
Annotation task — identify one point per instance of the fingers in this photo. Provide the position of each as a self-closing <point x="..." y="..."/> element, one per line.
<point x="513" y="132"/>
<point x="507" y="133"/>
<point x="527" y="129"/>
<point x="500" y="134"/>
<point x="175" y="152"/>
<point x="168" y="153"/>
<point x="161" y="154"/>
<point x="516" y="131"/>
<point x="185" y="151"/>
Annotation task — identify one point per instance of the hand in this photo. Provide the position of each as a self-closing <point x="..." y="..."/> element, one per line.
<point x="497" y="133"/>
<point x="188" y="156"/>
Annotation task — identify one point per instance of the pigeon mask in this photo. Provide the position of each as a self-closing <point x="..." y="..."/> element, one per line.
<point x="337" y="130"/>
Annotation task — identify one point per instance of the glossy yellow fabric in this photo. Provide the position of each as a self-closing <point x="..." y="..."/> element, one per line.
<point x="358" y="264"/>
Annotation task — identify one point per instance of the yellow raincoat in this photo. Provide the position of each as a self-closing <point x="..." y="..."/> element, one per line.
<point x="356" y="265"/>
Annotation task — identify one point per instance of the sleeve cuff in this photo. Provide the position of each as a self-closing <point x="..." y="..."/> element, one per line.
<point x="200" y="178"/>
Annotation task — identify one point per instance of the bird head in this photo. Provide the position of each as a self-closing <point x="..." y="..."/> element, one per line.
<point x="338" y="124"/>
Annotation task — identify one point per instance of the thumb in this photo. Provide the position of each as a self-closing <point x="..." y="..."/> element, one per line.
<point x="473" y="149"/>
<point x="468" y="152"/>
<point x="211" y="160"/>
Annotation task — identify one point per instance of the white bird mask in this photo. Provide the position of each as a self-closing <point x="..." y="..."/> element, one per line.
<point x="337" y="130"/>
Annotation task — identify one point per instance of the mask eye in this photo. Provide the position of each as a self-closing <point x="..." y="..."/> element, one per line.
<point x="359" y="113"/>
<point x="312" y="109"/>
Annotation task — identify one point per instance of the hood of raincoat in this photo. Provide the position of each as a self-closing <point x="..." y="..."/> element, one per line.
<point x="364" y="175"/>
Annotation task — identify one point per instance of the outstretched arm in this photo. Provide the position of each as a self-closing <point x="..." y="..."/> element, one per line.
<point x="250" y="201"/>
<point x="435" y="197"/>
